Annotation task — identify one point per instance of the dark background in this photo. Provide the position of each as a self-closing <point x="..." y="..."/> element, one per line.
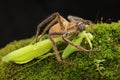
<point x="18" y="19"/>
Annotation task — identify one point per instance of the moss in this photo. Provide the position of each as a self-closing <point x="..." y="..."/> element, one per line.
<point x="106" y="37"/>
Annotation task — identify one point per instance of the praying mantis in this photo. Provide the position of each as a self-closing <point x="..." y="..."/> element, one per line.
<point x="60" y="29"/>
<point x="42" y="48"/>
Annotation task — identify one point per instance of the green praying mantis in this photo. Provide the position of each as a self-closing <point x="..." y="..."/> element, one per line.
<point x="63" y="28"/>
<point x="41" y="49"/>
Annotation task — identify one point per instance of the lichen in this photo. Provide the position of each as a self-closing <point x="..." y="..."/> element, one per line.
<point x="106" y="38"/>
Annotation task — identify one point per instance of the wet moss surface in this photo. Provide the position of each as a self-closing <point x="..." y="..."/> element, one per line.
<point x="104" y="65"/>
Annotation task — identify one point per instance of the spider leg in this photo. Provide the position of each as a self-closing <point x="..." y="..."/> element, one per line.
<point x="55" y="17"/>
<point x="77" y="46"/>
<point x="59" y="59"/>
<point x="75" y="19"/>
<point x="46" y="28"/>
<point x="78" y="19"/>
<point x="54" y="44"/>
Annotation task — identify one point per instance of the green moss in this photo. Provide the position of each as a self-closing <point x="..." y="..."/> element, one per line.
<point x="106" y="37"/>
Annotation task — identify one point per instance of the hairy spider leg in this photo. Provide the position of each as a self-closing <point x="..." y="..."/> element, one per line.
<point x="75" y="45"/>
<point x="55" y="17"/>
<point x="78" y="19"/>
<point x="59" y="59"/>
<point x="75" y="19"/>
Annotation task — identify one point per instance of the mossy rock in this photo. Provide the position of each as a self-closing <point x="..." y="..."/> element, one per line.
<point x="104" y="65"/>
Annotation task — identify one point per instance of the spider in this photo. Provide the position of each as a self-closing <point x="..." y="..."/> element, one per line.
<point x="59" y="26"/>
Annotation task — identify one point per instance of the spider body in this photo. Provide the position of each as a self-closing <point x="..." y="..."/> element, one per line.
<point x="71" y="26"/>
<point x="59" y="26"/>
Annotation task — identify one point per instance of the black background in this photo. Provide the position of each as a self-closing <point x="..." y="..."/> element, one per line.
<point x="18" y="19"/>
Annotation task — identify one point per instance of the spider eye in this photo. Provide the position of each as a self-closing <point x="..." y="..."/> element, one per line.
<point x="88" y="22"/>
<point x="81" y="26"/>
